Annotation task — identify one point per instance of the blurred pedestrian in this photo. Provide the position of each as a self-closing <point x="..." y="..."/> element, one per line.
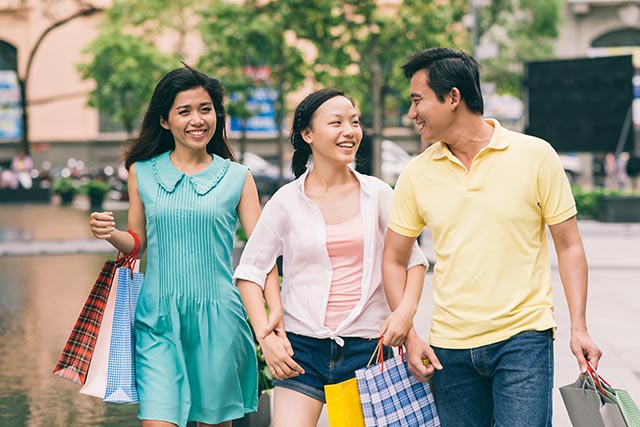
<point x="485" y="193"/>
<point x="328" y="225"/>
<point x="21" y="166"/>
<point x="610" y="173"/>
<point x="195" y="356"/>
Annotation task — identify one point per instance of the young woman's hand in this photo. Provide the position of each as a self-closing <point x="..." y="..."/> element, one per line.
<point x="278" y="354"/>
<point x="102" y="224"/>
<point x="275" y="324"/>
<point x="396" y="328"/>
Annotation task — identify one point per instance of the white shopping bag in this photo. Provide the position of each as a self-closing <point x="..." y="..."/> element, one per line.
<point x="96" y="382"/>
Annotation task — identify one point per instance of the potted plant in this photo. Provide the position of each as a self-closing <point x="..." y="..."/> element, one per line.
<point x="96" y="189"/>
<point x="607" y="205"/>
<point x="66" y="188"/>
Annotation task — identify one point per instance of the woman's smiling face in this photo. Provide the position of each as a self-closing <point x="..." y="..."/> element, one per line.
<point x="192" y="119"/>
<point x="334" y="132"/>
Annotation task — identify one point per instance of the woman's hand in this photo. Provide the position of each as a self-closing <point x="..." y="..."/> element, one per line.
<point x="275" y="324"/>
<point x="278" y="354"/>
<point x="396" y="328"/>
<point x="102" y="224"/>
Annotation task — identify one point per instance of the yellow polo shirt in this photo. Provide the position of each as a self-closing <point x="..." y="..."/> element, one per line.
<point x="492" y="273"/>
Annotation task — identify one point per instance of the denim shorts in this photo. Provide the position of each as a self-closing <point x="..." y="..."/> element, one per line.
<point x="505" y="384"/>
<point x="325" y="362"/>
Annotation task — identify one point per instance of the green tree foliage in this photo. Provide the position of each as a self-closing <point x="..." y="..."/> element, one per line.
<point x="240" y="39"/>
<point x="126" y="62"/>
<point x="357" y="45"/>
<point x="168" y="20"/>
<point x="523" y="30"/>
<point x="362" y="43"/>
<point x="125" y="69"/>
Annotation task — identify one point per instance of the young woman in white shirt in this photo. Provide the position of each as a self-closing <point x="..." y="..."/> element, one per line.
<point x="329" y="226"/>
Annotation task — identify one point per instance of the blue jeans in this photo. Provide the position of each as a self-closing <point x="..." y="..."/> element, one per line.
<point x="505" y="384"/>
<point x="325" y="362"/>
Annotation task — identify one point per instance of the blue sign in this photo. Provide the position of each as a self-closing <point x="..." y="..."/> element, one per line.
<point x="263" y="122"/>
<point x="10" y="115"/>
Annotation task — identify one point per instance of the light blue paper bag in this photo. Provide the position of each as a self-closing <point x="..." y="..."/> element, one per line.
<point x="121" y="371"/>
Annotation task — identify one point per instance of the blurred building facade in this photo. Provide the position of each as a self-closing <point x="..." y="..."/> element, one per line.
<point x="58" y="115"/>
<point x="60" y="121"/>
<point x="599" y="28"/>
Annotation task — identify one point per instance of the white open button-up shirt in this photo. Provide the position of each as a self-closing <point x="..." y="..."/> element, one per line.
<point x="292" y="225"/>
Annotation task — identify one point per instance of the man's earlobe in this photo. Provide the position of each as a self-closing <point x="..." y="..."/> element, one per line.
<point x="454" y="97"/>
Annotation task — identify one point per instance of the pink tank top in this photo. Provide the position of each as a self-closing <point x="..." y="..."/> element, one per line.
<point x="345" y="246"/>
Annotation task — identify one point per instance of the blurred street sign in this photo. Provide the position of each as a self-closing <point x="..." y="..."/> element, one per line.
<point x="263" y="123"/>
<point x="10" y="116"/>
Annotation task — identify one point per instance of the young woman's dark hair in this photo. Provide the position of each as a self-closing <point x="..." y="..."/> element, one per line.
<point x="153" y="139"/>
<point x="301" y="120"/>
<point x="449" y="68"/>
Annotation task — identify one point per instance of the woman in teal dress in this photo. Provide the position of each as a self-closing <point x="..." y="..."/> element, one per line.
<point x="195" y="357"/>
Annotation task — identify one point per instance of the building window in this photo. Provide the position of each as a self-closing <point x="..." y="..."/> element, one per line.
<point x="626" y="37"/>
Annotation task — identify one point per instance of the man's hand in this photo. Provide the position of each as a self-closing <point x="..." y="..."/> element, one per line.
<point x="421" y="359"/>
<point x="583" y="348"/>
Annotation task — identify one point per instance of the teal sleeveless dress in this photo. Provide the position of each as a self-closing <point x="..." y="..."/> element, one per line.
<point x="195" y="357"/>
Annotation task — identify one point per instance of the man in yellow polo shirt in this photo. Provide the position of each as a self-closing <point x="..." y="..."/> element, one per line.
<point x="486" y="194"/>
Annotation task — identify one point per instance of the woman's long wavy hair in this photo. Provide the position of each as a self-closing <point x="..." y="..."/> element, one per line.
<point x="302" y="120"/>
<point x="153" y="139"/>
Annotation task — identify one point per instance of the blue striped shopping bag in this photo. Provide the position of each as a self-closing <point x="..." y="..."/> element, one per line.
<point x="121" y="370"/>
<point x="391" y="397"/>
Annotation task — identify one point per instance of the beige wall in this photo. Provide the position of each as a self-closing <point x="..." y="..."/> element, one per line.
<point x="56" y="93"/>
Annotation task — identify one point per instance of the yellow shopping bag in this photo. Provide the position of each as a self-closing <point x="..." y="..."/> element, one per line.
<point x="343" y="404"/>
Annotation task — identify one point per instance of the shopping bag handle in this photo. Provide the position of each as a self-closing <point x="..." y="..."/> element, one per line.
<point x="129" y="260"/>
<point x="598" y="380"/>
<point x="379" y="352"/>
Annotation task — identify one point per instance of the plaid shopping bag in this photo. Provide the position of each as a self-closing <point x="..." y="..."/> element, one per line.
<point x="96" y="382"/>
<point x="76" y="356"/>
<point x="391" y="397"/>
<point x="121" y="371"/>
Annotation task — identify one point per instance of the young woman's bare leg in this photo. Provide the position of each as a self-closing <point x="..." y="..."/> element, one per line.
<point x="294" y="409"/>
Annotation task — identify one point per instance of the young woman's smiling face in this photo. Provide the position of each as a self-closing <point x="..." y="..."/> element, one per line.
<point x="334" y="133"/>
<point x="192" y="119"/>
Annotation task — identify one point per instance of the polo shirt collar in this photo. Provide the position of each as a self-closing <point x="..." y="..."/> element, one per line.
<point x="168" y="176"/>
<point x="498" y="141"/>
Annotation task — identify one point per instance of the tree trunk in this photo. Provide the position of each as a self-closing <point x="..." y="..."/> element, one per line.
<point x="376" y="98"/>
<point x="280" y="112"/>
